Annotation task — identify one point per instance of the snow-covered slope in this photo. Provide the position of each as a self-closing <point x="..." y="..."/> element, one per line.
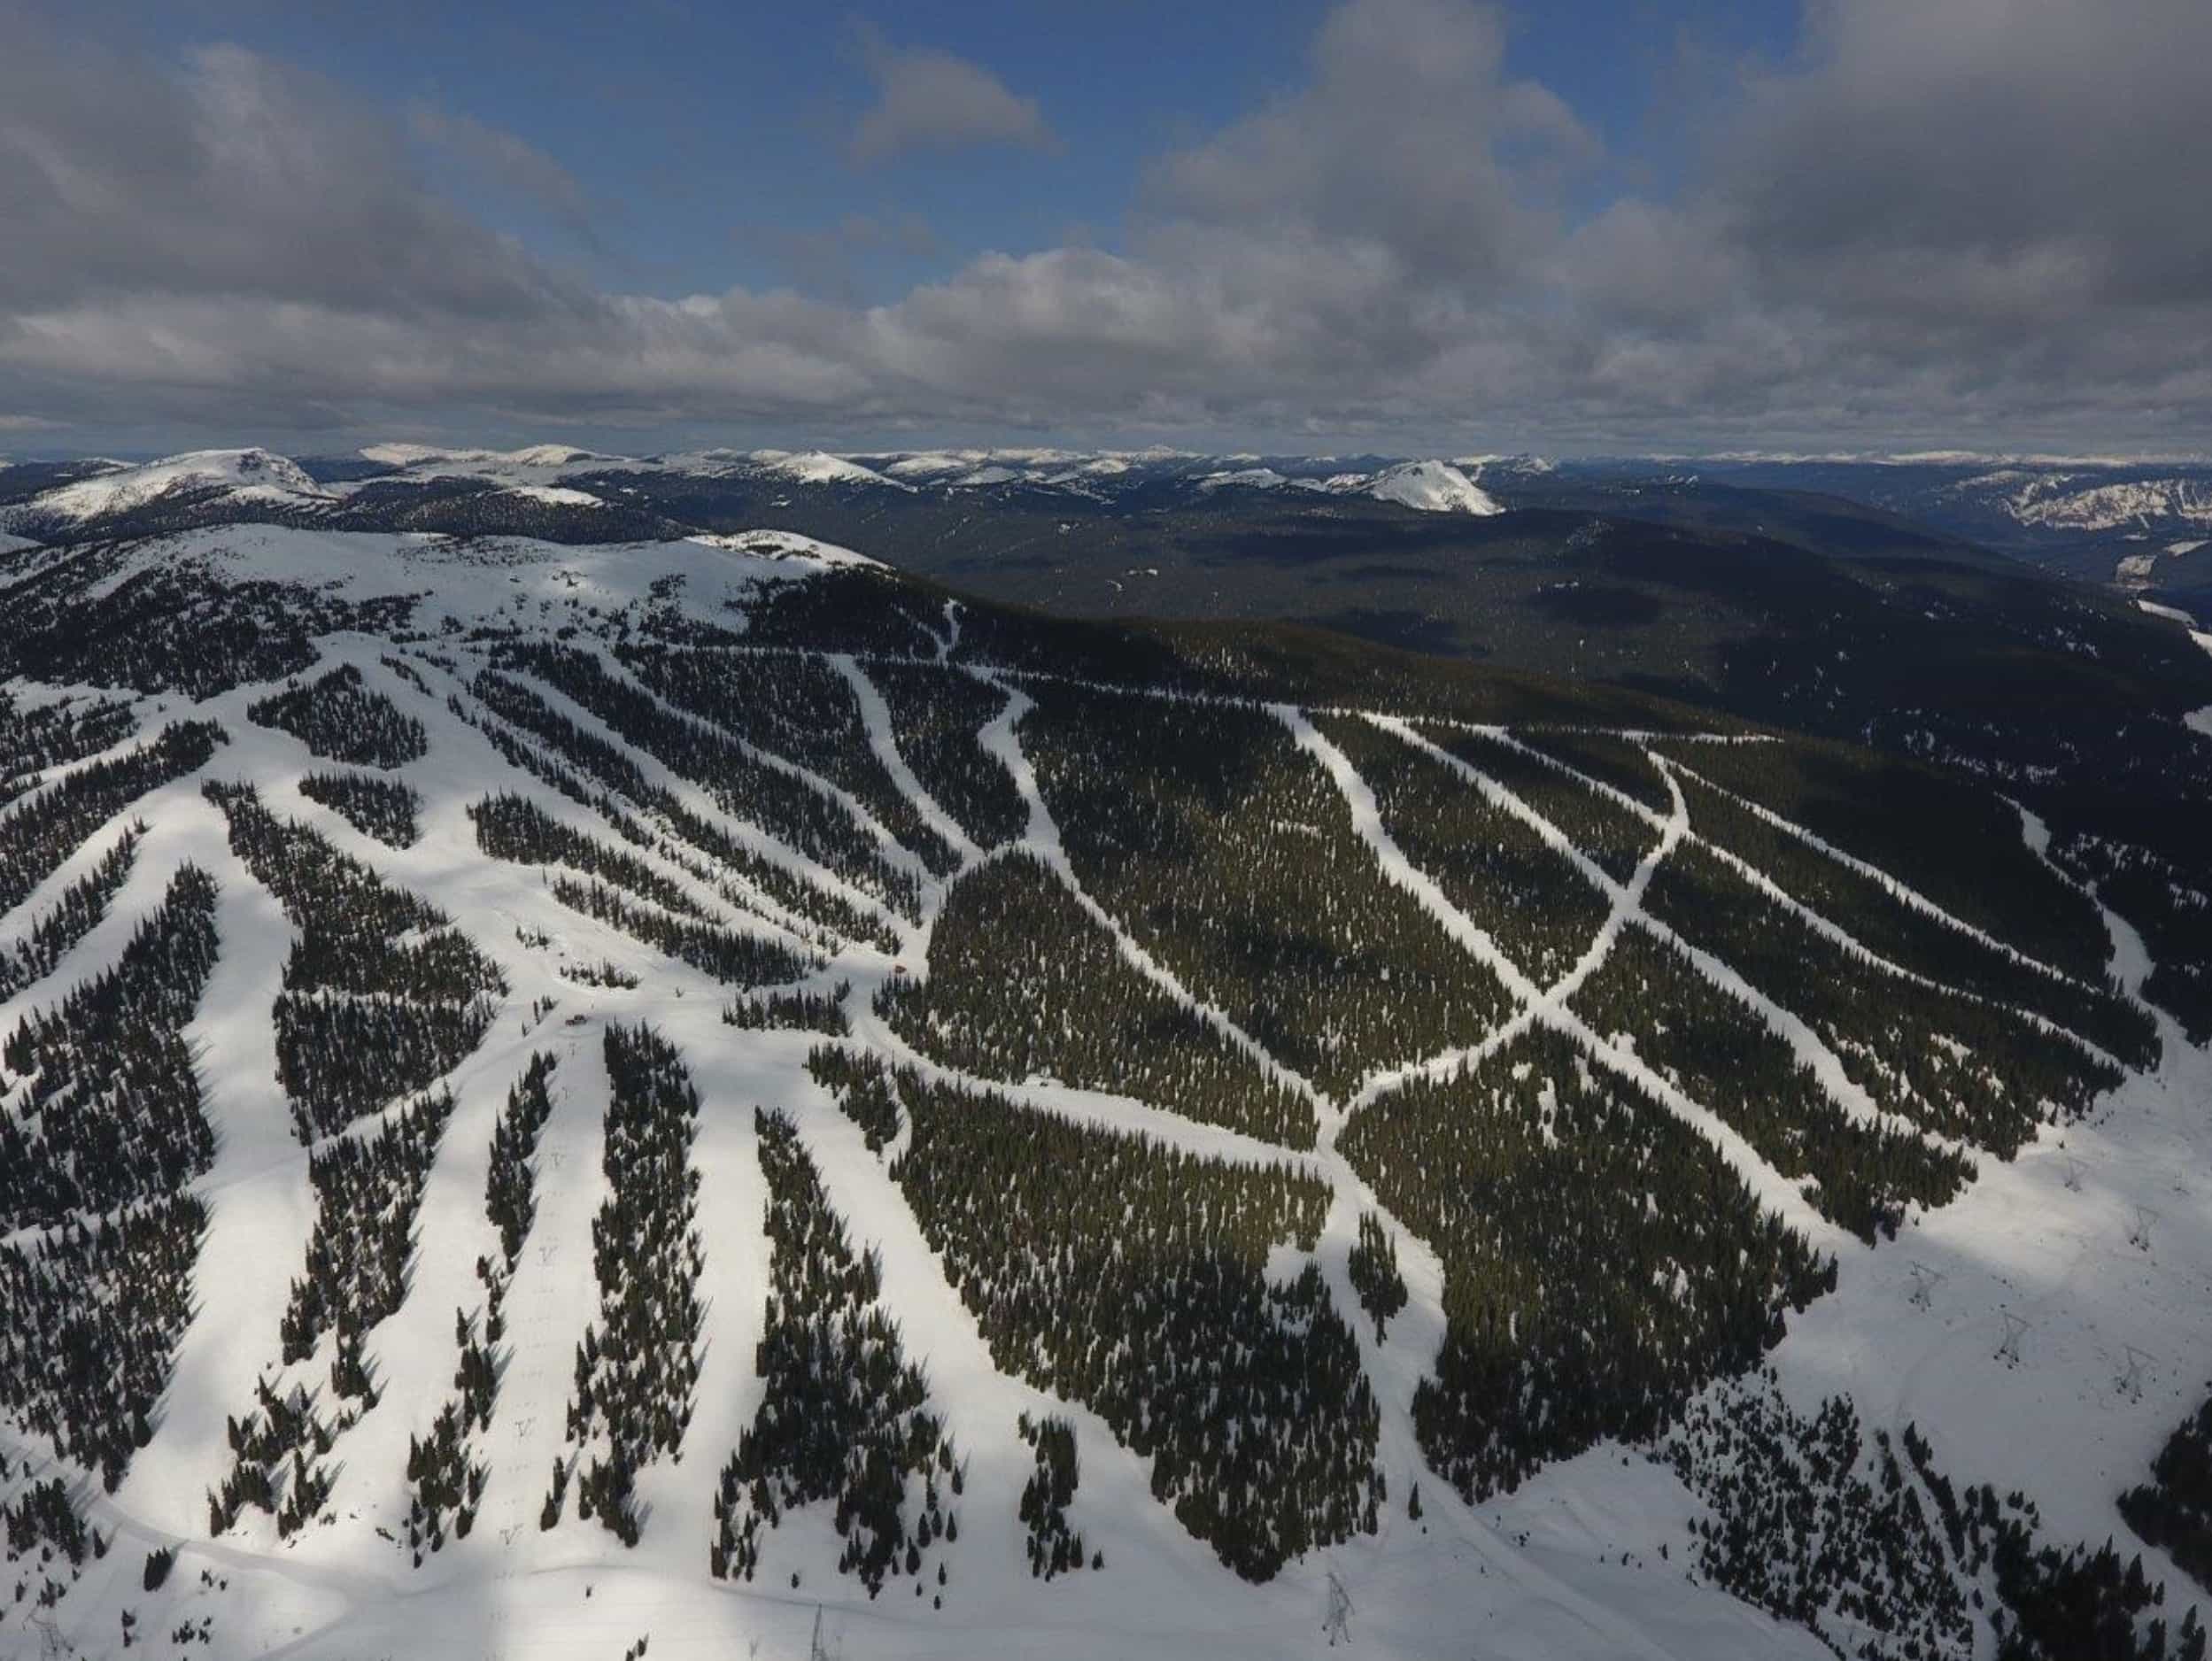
<point x="1435" y="487"/>
<point x="494" y="463"/>
<point x="1243" y="478"/>
<point x="2065" y="503"/>
<point x="715" y="1062"/>
<point x="819" y="467"/>
<point x="248" y="476"/>
<point x="554" y="495"/>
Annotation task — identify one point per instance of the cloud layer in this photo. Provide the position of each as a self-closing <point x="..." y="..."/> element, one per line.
<point x="927" y="99"/>
<point x="1969" y="224"/>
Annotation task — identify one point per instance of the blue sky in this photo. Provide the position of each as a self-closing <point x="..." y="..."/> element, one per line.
<point x="708" y="138"/>
<point x="1398" y="224"/>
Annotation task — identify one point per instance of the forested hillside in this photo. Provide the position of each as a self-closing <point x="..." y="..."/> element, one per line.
<point x="566" y="1100"/>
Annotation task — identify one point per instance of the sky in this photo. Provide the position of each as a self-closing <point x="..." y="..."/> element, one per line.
<point x="1407" y="225"/>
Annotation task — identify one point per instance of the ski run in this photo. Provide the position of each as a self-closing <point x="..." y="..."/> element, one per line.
<point x="1585" y="1559"/>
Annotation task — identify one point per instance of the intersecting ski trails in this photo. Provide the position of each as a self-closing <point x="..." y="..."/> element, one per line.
<point x="1394" y="1368"/>
<point x="1809" y="1047"/>
<point x="1625" y="902"/>
<point x="1818" y="922"/>
<point x="1778" y="1194"/>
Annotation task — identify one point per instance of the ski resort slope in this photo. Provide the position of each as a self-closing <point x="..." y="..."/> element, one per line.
<point x="2097" y="1237"/>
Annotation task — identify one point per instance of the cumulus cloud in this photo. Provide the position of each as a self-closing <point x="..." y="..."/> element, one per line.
<point x="1396" y="145"/>
<point x="236" y="175"/>
<point x="2024" y="156"/>
<point x="1957" y="225"/>
<point x="928" y="99"/>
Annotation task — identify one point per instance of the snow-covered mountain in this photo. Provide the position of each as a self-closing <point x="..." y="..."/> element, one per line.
<point x="1435" y="487"/>
<point x="817" y="467"/>
<point x="564" y="493"/>
<point x="492" y="462"/>
<point x="249" y="479"/>
<point x="1431" y="486"/>
<point x="697" y="1094"/>
<point x="2070" y="502"/>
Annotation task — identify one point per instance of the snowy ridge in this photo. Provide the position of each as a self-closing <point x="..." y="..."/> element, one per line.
<point x="815" y="466"/>
<point x="1431" y="487"/>
<point x="564" y="476"/>
<point x="2047" y="503"/>
<point x="244" y="476"/>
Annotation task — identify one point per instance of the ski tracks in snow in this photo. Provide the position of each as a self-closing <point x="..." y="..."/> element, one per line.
<point x="876" y="716"/>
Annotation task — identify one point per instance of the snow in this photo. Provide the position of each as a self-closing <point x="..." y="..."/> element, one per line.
<point x="2200" y="720"/>
<point x="2044" y="501"/>
<point x="925" y="466"/>
<point x="248" y="475"/>
<point x="1904" y="893"/>
<point x="817" y="467"/>
<point x="553" y="495"/>
<point x="2172" y="613"/>
<point x="1246" y="478"/>
<point x="1474" y="465"/>
<point x="875" y="715"/>
<point x="2179" y="548"/>
<point x="494" y="577"/>
<point x="782" y="545"/>
<point x="1584" y="1585"/>
<point x="403" y="455"/>
<point x="1435" y="487"/>
<point x="1042" y="839"/>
